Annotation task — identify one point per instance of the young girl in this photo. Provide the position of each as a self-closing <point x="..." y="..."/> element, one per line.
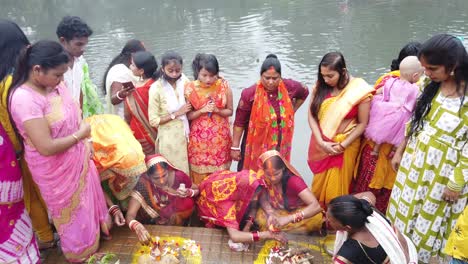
<point x="391" y="108"/>
<point x="210" y="135"/>
<point x="167" y="111"/>
<point x="57" y="151"/>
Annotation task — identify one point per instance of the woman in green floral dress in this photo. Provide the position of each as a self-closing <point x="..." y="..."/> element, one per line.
<point x="430" y="190"/>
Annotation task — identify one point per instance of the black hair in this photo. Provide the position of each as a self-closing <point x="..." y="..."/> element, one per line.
<point x="278" y="164"/>
<point x="45" y="53"/>
<point x="167" y="58"/>
<point x="448" y="51"/>
<point x="271" y="60"/>
<point x="351" y="211"/>
<point x="146" y="61"/>
<point x="12" y="42"/>
<point x="410" y="49"/>
<point x="152" y="168"/>
<point x="73" y="27"/>
<point x="124" y="57"/>
<point x="205" y="61"/>
<point x="336" y="62"/>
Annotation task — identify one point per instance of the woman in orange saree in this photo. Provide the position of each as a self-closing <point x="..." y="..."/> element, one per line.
<point x="136" y="104"/>
<point x="210" y="135"/>
<point x="230" y="199"/>
<point x="338" y="115"/>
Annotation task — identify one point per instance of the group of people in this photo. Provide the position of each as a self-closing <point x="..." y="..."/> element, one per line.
<point x="162" y="151"/>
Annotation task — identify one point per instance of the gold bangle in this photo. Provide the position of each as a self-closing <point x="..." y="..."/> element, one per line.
<point x="76" y="138"/>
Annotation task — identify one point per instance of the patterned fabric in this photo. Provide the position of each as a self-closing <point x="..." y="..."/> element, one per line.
<point x="118" y="155"/>
<point x="91" y="103"/>
<point x="456" y="244"/>
<point x="69" y="181"/>
<point x="137" y="105"/>
<point x="171" y="141"/>
<point x="435" y="158"/>
<point x="375" y="173"/>
<point x="266" y="130"/>
<point x="163" y="206"/>
<point x="332" y="114"/>
<point x="17" y="242"/>
<point x="225" y="197"/>
<point x="210" y="135"/>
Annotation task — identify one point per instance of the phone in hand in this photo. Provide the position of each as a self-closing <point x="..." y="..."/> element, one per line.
<point x="128" y="86"/>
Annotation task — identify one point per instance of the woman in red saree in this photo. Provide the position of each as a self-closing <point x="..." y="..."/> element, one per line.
<point x="210" y="135"/>
<point x="229" y="199"/>
<point x="265" y="116"/>
<point x="374" y="172"/>
<point x="136" y="104"/>
<point x="163" y="196"/>
<point x="338" y="116"/>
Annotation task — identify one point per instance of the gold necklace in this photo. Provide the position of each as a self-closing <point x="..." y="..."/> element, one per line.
<point x="373" y="262"/>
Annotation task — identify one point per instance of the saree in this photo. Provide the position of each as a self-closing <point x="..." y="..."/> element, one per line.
<point x="118" y="156"/>
<point x="17" y="241"/>
<point x="266" y="130"/>
<point x="68" y="181"/>
<point x="137" y="104"/>
<point x="333" y="174"/>
<point x="210" y="136"/>
<point x="162" y="205"/>
<point x="225" y="196"/>
<point x="33" y="201"/>
<point x="294" y="186"/>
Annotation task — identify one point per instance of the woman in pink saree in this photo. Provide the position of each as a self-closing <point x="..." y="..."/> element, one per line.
<point x="57" y="151"/>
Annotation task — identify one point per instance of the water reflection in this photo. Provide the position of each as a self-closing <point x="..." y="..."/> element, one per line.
<point x="241" y="33"/>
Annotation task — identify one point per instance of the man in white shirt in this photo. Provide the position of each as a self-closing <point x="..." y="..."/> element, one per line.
<point x="73" y="34"/>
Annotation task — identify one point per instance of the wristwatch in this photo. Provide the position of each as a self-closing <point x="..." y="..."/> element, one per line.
<point x="173" y="116"/>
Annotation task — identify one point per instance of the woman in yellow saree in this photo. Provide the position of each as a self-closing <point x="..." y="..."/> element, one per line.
<point x="288" y="203"/>
<point x="338" y="115"/>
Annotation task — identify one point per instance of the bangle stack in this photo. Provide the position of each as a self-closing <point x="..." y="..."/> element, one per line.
<point x="255" y="236"/>
<point x="236" y="148"/>
<point x="113" y="210"/>
<point x="298" y="217"/>
<point x="192" y="192"/>
<point x="133" y="224"/>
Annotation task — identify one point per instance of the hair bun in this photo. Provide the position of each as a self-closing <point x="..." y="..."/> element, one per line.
<point x="395" y="65"/>
<point x="366" y="207"/>
<point x="271" y="55"/>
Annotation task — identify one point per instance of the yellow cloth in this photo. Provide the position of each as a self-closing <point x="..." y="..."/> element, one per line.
<point x="388" y="74"/>
<point x="335" y="181"/>
<point x="307" y="225"/>
<point x="118" y="156"/>
<point x="32" y="197"/>
<point x="457" y="245"/>
<point x="384" y="175"/>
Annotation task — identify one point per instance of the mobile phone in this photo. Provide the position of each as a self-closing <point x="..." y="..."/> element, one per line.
<point x="128" y="86"/>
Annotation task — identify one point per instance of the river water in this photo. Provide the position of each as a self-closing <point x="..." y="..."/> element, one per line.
<point x="241" y="33"/>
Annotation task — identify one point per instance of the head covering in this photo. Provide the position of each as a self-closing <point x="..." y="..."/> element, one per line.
<point x="157" y="158"/>
<point x="271" y="153"/>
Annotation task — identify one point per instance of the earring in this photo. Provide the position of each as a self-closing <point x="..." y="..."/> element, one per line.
<point x="452" y="73"/>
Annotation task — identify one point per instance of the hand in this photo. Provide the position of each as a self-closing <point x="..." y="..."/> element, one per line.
<point x="396" y="160"/>
<point x="208" y="108"/>
<point x="279" y="236"/>
<point x="450" y="196"/>
<point x="126" y="91"/>
<point x="84" y="130"/>
<point x="119" y="219"/>
<point x="91" y="149"/>
<point x="328" y="147"/>
<point x="184" y="109"/>
<point x="183" y="193"/>
<point x="236" y="155"/>
<point x="273" y="220"/>
<point x="284" y="220"/>
<point x="143" y="236"/>
<point x="338" y="148"/>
